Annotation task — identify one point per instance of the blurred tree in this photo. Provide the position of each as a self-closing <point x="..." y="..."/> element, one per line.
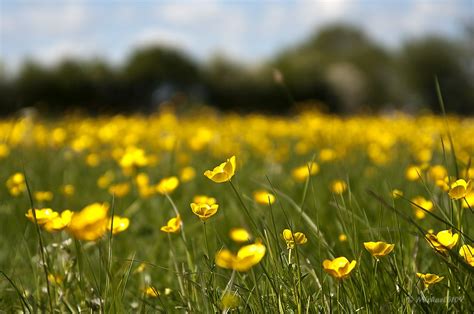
<point x="148" y="68"/>
<point x="423" y="60"/>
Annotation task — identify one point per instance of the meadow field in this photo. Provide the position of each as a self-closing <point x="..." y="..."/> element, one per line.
<point x="215" y="212"/>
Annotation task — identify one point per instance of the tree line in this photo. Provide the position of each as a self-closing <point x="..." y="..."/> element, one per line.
<point x="339" y="68"/>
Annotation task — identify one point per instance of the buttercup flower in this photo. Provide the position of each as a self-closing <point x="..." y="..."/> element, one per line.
<point x="396" y="193"/>
<point x="239" y="235"/>
<point x="413" y="173"/>
<point x="342" y="237"/>
<point x="467" y="252"/>
<point x="89" y="224"/>
<point x="460" y="189"/>
<point x="119" y="224"/>
<point x="263" y="197"/>
<point x="167" y="185"/>
<point x="222" y="173"/>
<point x="247" y="257"/>
<point x="152" y="292"/>
<point x="204" y="211"/>
<point x="43" y="196"/>
<point x="187" y="174"/>
<point x="42" y="215"/>
<point x="204" y="199"/>
<point x="338" y="186"/>
<point x="303" y="172"/>
<point x="421" y="202"/>
<point x="16" y="184"/>
<point x="120" y="189"/>
<point x="378" y="249"/>
<point x="429" y="279"/>
<point x="173" y="225"/>
<point x="443" y="241"/>
<point x="339" y="267"/>
<point x="293" y="238"/>
<point x="60" y="222"/>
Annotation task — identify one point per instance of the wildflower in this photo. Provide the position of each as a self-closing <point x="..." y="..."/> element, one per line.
<point x="396" y="193"/>
<point x="92" y="160"/>
<point x="418" y="202"/>
<point x="55" y="279"/>
<point x="342" y="237"/>
<point x="4" y="150"/>
<point x="152" y="292"/>
<point x="247" y="257"/>
<point x="301" y="173"/>
<point x="204" y="211"/>
<point x="140" y="268"/>
<point x="173" y="225"/>
<point x="327" y="154"/>
<point x="42" y="215"/>
<point x="339" y="268"/>
<point x="443" y="241"/>
<point x="60" y="222"/>
<point x="68" y="189"/>
<point x="187" y="174"/>
<point x="378" y="249"/>
<point x="429" y="279"/>
<point x="437" y="172"/>
<point x="105" y="180"/>
<point x="239" y="235"/>
<point x="43" y="196"/>
<point x="16" y="184"/>
<point x="133" y="158"/>
<point x="467" y="252"/>
<point x="120" y="189"/>
<point x="294" y="238"/>
<point x="90" y="223"/>
<point x="469" y="200"/>
<point x="167" y="185"/>
<point x="338" y="186"/>
<point x="204" y="199"/>
<point x="413" y="173"/>
<point x="222" y="173"/>
<point x="119" y="224"/>
<point x="263" y="197"/>
<point x="460" y="189"/>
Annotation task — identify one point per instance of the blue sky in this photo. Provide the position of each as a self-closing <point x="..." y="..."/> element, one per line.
<point x="243" y="30"/>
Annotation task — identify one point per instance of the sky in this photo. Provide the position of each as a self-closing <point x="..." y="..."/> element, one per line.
<point x="247" y="31"/>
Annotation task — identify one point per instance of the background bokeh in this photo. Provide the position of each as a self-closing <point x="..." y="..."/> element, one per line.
<point x="270" y="56"/>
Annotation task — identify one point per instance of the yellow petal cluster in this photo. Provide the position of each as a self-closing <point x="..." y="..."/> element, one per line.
<point x="247" y="257"/>
<point x="443" y="241"/>
<point x="429" y="279"/>
<point x="222" y="173"/>
<point x="292" y="239"/>
<point x="339" y="267"/>
<point x="460" y="189"/>
<point x="173" y="225"/>
<point x="378" y="249"/>
<point x="204" y="211"/>
<point x="263" y="197"/>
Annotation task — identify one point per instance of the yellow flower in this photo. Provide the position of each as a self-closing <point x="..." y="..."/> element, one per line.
<point x="469" y="200"/>
<point x="338" y="186"/>
<point x="247" y="257"/>
<point x="342" y="237"/>
<point x="301" y="173"/>
<point x="60" y="222"/>
<point x="204" y="211"/>
<point x="16" y="184"/>
<point x="90" y="223"/>
<point x="423" y="203"/>
<point x="68" y="189"/>
<point x="467" y="252"/>
<point x="55" y="279"/>
<point x="105" y="180"/>
<point x="294" y="238"/>
<point x="43" y="196"/>
<point x="339" y="267"/>
<point x="152" y="292"/>
<point x="443" y="241"/>
<point x="460" y="189"/>
<point x="167" y="185"/>
<point x="187" y="174"/>
<point x="413" y="173"/>
<point x="120" y="189"/>
<point x="239" y="235"/>
<point x="437" y="172"/>
<point x="222" y="173"/>
<point x="204" y="199"/>
<point x="92" y="160"/>
<point x="42" y="215"/>
<point x="396" y="193"/>
<point x="119" y="224"/>
<point x="173" y="225"/>
<point x="263" y="197"/>
<point x="429" y="279"/>
<point x="378" y="249"/>
<point x="4" y="150"/>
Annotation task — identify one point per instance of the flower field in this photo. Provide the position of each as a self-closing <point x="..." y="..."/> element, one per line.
<point x="210" y="212"/>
